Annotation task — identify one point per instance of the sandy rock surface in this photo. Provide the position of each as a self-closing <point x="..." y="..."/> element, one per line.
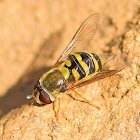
<point x="33" y="35"/>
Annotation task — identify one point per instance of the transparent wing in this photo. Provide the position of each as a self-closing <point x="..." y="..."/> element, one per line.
<point x="81" y="39"/>
<point x="112" y="65"/>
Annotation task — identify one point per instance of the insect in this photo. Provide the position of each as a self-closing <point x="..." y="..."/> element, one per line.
<point x="76" y="67"/>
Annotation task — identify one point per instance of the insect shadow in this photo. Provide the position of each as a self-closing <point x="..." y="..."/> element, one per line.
<point x="16" y="95"/>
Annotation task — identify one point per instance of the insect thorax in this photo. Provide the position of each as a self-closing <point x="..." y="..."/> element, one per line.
<point x="53" y="82"/>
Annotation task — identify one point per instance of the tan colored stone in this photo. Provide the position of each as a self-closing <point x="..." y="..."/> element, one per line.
<point x="33" y="35"/>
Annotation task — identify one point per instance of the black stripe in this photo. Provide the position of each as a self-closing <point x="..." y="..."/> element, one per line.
<point x="89" y="61"/>
<point x="84" y="55"/>
<point x="98" y="60"/>
<point x="76" y="65"/>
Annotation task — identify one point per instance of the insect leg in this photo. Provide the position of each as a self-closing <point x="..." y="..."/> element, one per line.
<point x="80" y="95"/>
<point x="84" y="98"/>
<point x="58" y="109"/>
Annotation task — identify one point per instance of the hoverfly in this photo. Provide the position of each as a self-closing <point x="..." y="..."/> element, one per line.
<point x="75" y="67"/>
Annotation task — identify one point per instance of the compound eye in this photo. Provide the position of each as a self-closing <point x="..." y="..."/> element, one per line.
<point x="44" y="97"/>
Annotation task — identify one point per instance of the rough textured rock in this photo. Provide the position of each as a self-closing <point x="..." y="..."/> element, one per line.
<point x="33" y="35"/>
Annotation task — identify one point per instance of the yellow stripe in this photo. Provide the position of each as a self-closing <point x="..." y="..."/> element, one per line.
<point x="68" y="63"/>
<point x="85" y="67"/>
<point x="65" y="72"/>
<point x="101" y="60"/>
<point x="95" y="62"/>
<point x="78" y="57"/>
<point x="75" y="74"/>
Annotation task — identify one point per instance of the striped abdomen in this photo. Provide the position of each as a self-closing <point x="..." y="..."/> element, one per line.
<point x="82" y="64"/>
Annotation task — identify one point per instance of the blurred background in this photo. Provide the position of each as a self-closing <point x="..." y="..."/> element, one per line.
<point x="33" y="34"/>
